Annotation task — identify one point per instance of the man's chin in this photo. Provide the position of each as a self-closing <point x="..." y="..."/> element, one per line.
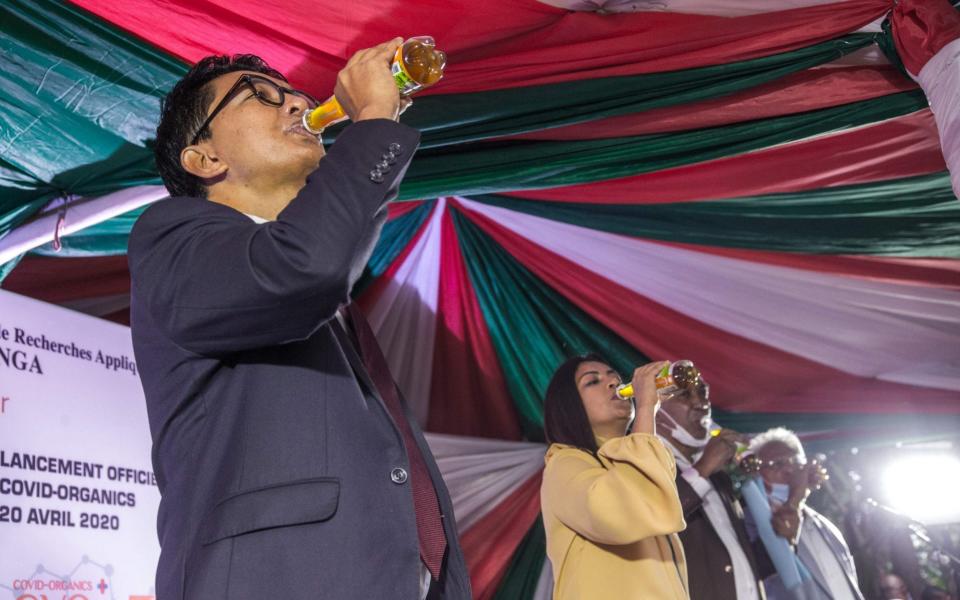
<point x="309" y="158"/>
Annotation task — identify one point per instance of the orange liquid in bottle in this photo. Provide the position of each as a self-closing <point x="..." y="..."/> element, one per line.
<point x="681" y="373"/>
<point x="417" y="64"/>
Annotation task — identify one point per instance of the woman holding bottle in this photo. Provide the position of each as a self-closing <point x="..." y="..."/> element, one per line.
<point x="609" y="498"/>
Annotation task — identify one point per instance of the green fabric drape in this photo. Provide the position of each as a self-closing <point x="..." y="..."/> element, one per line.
<point x="885" y="42"/>
<point x="533" y="328"/>
<point x="80" y="100"/>
<point x="918" y="213"/>
<point x="459" y="118"/>
<point x="491" y="167"/>
<point x="8" y="266"/>
<point x="520" y="580"/>
<point x="911" y="217"/>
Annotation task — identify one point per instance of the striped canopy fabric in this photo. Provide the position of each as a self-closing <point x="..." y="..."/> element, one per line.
<point x="766" y="188"/>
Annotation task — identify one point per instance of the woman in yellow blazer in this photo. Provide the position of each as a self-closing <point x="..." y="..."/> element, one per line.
<point x="609" y="498"/>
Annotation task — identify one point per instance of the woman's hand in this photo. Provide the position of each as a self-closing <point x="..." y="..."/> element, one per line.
<point x="645" y="396"/>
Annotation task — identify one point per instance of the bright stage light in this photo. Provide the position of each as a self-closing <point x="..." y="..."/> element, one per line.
<point x="925" y="487"/>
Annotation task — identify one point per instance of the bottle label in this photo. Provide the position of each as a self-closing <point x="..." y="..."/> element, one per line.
<point x="664" y="378"/>
<point x="405" y="83"/>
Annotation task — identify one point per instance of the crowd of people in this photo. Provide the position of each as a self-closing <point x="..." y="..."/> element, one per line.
<point x="640" y="496"/>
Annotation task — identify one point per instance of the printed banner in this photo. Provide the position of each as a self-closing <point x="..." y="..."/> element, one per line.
<point x="78" y="497"/>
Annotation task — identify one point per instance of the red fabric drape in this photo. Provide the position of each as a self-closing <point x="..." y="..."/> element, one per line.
<point x="801" y="385"/>
<point x="901" y="147"/>
<point x="468" y="394"/>
<point x="398" y="209"/>
<point x="491" y="44"/>
<point x="490" y="543"/>
<point x="921" y="28"/>
<point x="58" y="280"/>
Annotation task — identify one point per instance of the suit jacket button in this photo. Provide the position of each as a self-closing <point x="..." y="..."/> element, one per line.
<point x="376" y="176"/>
<point x="395" y="148"/>
<point x="398" y="476"/>
<point x="383" y="166"/>
<point x="389" y="157"/>
<point x="727" y="569"/>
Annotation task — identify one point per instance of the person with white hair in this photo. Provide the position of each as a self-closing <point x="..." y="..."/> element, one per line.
<point x="788" y="478"/>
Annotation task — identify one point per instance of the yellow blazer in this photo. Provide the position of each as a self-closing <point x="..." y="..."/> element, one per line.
<point x="611" y="523"/>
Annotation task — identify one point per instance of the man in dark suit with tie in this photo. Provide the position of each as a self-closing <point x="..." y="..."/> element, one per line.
<point x="287" y="464"/>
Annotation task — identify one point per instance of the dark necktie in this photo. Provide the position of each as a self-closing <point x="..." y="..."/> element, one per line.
<point x="433" y="541"/>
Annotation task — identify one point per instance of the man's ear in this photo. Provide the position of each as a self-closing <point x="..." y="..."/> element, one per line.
<point x="202" y="161"/>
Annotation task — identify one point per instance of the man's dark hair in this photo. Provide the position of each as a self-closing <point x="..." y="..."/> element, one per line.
<point x="564" y="417"/>
<point x="184" y="110"/>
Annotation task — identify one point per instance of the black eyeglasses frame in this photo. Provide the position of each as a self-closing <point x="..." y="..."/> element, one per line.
<point x="248" y="81"/>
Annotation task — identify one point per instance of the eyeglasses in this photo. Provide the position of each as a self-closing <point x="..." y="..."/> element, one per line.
<point x="265" y="90"/>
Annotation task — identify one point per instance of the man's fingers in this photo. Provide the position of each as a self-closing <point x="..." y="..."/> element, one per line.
<point x="390" y="47"/>
<point x="355" y="58"/>
<point x="384" y="50"/>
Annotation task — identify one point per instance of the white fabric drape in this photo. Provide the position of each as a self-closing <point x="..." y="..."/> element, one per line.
<point x="940" y="80"/>
<point x="405" y="317"/>
<point x="480" y="473"/>
<point x="79" y="214"/>
<point x="895" y="332"/>
<point x="544" y="589"/>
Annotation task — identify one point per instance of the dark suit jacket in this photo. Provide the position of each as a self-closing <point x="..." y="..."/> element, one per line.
<point x="272" y="449"/>
<point x="709" y="568"/>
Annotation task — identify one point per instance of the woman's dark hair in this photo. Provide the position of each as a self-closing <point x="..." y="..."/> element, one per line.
<point x="564" y="417"/>
<point x="184" y="110"/>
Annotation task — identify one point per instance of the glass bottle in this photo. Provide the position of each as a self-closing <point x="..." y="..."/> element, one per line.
<point x="416" y="65"/>
<point x="676" y="375"/>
